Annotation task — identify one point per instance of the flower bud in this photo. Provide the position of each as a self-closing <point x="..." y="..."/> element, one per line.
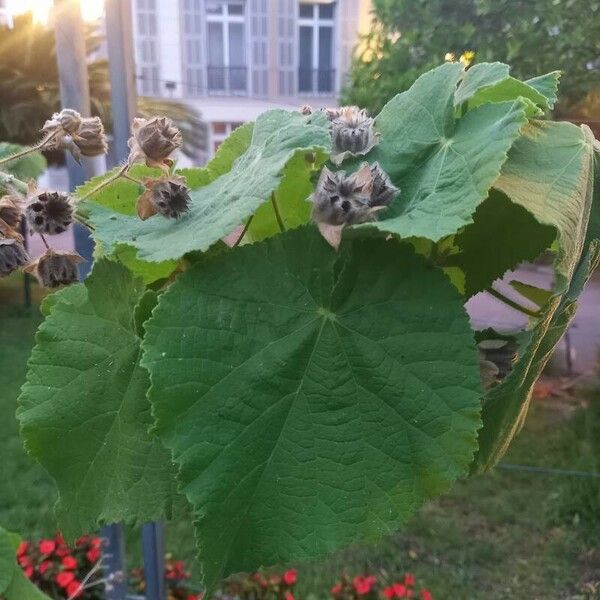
<point x="352" y="133"/>
<point x="12" y="255"/>
<point x="49" y="212"/>
<point x="383" y="191"/>
<point x="11" y="210"/>
<point x="54" y="268"/>
<point x="153" y="140"/>
<point x="168" y="196"/>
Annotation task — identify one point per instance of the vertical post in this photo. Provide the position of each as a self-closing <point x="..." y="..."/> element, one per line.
<point x="114" y="558"/>
<point x="75" y="93"/>
<point x="119" y="41"/>
<point x="153" y="548"/>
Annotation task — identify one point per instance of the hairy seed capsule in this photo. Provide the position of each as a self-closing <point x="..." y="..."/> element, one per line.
<point x="54" y="268"/>
<point x="49" y="212"/>
<point x="168" y="196"/>
<point x="153" y="140"/>
<point x="91" y="139"/>
<point x="352" y="133"/>
<point x="12" y="255"/>
<point x="383" y="190"/>
<point x="67" y="119"/>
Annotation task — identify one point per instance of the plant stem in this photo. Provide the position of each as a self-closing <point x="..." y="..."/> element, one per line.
<point x="244" y="231"/>
<point x="108" y="181"/>
<point x="515" y="305"/>
<point x="45" y="241"/>
<point x="29" y="150"/>
<point x="10" y="181"/>
<point x="277" y="215"/>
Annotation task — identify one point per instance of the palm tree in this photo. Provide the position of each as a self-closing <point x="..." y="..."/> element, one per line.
<point x="29" y="88"/>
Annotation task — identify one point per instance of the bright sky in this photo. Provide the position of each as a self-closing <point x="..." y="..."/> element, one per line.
<point x="90" y="9"/>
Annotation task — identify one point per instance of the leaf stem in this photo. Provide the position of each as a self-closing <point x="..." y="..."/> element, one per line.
<point x="515" y="305"/>
<point x="120" y="173"/>
<point x="29" y="150"/>
<point x="277" y="215"/>
<point x="244" y="231"/>
<point x="45" y="241"/>
<point x="10" y="181"/>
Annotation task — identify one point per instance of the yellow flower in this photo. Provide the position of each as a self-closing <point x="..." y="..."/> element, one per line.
<point x="467" y="57"/>
<point x="449" y="57"/>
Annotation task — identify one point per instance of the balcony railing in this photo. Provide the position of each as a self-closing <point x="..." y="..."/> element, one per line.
<point x="316" y="81"/>
<point x="227" y="81"/>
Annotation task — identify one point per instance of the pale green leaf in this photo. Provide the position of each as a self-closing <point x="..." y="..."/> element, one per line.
<point x="83" y="409"/>
<point x="547" y="85"/>
<point x="479" y="76"/>
<point x="549" y="172"/>
<point x="511" y="89"/>
<point x="538" y="296"/>
<point x="443" y="166"/>
<point x="28" y="167"/>
<point x="310" y="398"/>
<point x="217" y="208"/>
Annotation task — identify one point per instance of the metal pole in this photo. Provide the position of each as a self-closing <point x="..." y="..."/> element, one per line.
<point x="113" y="552"/>
<point x="119" y="41"/>
<point x="69" y="34"/>
<point x="153" y="548"/>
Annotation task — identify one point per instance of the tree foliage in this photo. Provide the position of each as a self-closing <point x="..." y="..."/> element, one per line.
<point x="408" y="37"/>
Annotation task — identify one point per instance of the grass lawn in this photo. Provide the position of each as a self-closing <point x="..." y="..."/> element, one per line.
<point x="503" y="535"/>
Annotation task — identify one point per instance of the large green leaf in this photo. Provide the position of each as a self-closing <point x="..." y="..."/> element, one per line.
<point x="506" y="227"/>
<point x="13" y="583"/>
<point x="28" y="167"/>
<point x="506" y="405"/>
<point x="480" y="76"/>
<point x="443" y="166"/>
<point x="548" y="172"/>
<point x="510" y="89"/>
<point x="83" y="409"/>
<point x="220" y="206"/>
<point x="310" y="398"/>
<point x="547" y="85"/>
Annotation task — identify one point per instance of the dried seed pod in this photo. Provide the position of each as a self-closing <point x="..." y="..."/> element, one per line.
<point x="90" y="138"/>
<point x="352" y="133"/>
<point x="11" y="210"/>
<point x="49" y="212"/>
<point x="12" y="255"/>
<point x="53" y="268"/>
<point x="67" y="119"/>
<point x="306" y="110"/>
<point x="168" y="196"/>
<point x="383" y="191"/>
<point x="153" y="140"/>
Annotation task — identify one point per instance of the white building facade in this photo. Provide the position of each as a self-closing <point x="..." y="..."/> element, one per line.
<point x="233" y="59"/>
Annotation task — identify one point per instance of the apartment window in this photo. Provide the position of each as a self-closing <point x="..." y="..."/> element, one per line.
<point x="220" y="131"/>
<point x="192" y="46"/>
<point x="226" y="47"/>
<point x="147" y="48"/>
<point x="316" y="74"/>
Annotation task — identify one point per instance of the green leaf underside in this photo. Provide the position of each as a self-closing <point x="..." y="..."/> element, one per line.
<point x="220" y="206"/>
<point x="508" y="89"/>
<point x="547" y="85"/>
<point x="480" y="76"/>
<point x="506" y="405"/>
<point x="498" y="222"/>
<point x="310" y="398"/>
<point x="13" y="583"/>
<point x="83" y="409"/>
<point x="443" y="167"/>
<point x="548" y="172"/>
<point x="539" y="296"/>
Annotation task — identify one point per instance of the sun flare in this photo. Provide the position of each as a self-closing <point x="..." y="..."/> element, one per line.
<point x="91" y="10"/>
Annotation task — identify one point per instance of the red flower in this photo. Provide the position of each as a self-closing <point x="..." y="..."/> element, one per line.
<point x="409" y="579"/>
<point x="44" y="567"/>
<point x="74" y="589"/>
<point x="389" y="592"/>
<point x="400" y="590"/>
<point x="64" y="578"/>
<point x="289" y="577"/>
<point x="23" y="546"/>
<point x="59" y="539"/>
<point x="363" y="585"/>
<point x="426" y="595"/>
<point x="93" y="554"/>
<point x="69" y="562"/>
<point x="24" y="561"/>
<point x="96" y="542"/>
<point x="83" y="540"/>
<point x="47" y="546"/>
<point x="289" y="596"/>
<point x="28" y="572"/>
<point x="336" y="589"/>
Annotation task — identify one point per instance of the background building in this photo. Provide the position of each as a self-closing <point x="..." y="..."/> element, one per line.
<point x="234" y="59"/>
